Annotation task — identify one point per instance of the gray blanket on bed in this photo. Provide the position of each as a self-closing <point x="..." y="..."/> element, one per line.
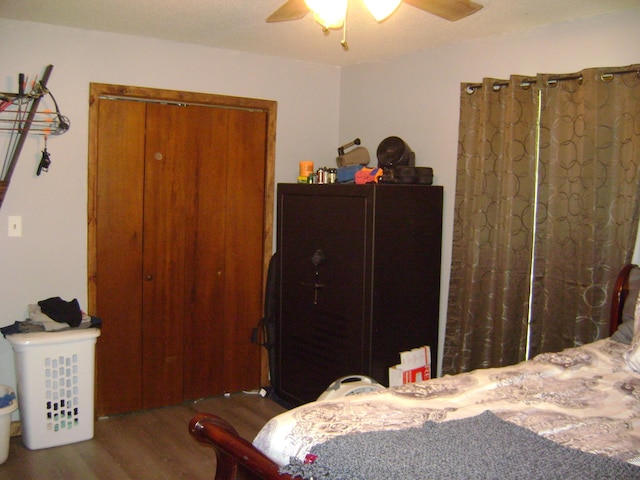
<point x="481" y="447"/>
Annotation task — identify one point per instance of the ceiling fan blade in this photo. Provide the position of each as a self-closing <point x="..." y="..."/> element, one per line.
<point x="292" y="10"/>
<point x="448" y="9"/>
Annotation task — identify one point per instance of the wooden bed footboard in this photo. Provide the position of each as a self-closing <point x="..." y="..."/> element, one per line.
<point x="233" y="453"/>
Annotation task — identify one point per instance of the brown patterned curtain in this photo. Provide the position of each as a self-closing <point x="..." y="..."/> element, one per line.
<point x="553" y="158"/>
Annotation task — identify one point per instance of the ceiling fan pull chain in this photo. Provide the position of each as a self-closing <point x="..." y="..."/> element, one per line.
<point x="344" y="43"/>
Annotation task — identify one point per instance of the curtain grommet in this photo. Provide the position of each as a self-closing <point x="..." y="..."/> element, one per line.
<point x="606" y="77"/>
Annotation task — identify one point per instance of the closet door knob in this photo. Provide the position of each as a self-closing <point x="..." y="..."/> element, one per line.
<point x="149" y="278"/>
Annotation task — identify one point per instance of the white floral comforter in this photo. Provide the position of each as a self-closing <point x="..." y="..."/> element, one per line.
<point x="585" y="397"/>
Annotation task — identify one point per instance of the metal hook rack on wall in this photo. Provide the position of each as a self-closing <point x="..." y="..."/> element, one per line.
<point x="19" y="116"/>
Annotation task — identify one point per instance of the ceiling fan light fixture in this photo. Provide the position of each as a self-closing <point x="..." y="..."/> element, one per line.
<point x="381" y="9"/>
<point x="328" y="13"/>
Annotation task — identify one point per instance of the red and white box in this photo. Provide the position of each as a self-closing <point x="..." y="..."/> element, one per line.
<point x="414" y="366"/>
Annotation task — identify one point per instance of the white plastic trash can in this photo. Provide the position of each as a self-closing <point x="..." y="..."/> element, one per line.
<point x="55" y="376"/>
<point x="5" y="422"/>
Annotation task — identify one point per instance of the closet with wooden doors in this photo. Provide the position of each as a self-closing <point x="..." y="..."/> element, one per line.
<point x="179" y="202"/>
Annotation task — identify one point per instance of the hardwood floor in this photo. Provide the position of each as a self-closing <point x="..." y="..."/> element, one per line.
<point x="151" y="444"/>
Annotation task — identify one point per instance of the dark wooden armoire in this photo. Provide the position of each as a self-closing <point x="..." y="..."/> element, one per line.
<point x="359" y="281"/>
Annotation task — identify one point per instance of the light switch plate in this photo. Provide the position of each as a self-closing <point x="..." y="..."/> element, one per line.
<point x="15" y="226"/>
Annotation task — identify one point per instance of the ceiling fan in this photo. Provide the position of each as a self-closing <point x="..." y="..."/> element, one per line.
<point x="448" y="9"/>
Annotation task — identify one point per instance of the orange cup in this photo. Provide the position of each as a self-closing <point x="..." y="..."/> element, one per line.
<point x="306" y="168"/>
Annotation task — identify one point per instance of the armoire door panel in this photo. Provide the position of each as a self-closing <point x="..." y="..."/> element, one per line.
<point x="408" y="220"/>
<point x="120" y="172"/>
<point x="323" y="306"/>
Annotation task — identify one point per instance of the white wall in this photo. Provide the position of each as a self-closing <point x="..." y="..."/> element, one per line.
<point x="50" y="259"/>
<point x="417" y="96"/>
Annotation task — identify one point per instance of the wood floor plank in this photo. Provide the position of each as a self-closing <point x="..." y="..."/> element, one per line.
<point x="151" y="444"/>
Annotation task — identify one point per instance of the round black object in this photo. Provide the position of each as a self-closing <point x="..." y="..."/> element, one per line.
<point x="393" y="151"/>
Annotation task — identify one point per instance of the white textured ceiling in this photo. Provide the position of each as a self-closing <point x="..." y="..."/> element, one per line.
<point x="240" y="24"/>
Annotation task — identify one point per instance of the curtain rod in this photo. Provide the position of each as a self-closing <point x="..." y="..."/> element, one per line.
<point x="177" y="103"/>
<point x="605" y="77"/>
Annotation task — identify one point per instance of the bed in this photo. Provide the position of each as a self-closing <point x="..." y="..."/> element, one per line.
<point x="581" y="404"/>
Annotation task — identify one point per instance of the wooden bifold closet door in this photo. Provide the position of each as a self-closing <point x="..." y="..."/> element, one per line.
<point x="179" y="261"/>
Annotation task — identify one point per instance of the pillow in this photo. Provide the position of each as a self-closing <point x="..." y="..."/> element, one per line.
<point x="632" y="356"/>
<point x="624" y="333"/>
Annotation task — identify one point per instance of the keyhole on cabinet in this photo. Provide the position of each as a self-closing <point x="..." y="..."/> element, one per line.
<point x="317" y="259"/>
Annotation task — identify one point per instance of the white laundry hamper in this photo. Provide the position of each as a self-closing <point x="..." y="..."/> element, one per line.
<point x="55" y="376"/>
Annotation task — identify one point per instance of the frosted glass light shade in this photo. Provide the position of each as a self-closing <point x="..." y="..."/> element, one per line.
<point x="328" y="13"/>
<point x="381" y="9"/>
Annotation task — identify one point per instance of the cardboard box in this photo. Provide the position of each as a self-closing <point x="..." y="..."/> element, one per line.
<point x="414" y="366"/>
